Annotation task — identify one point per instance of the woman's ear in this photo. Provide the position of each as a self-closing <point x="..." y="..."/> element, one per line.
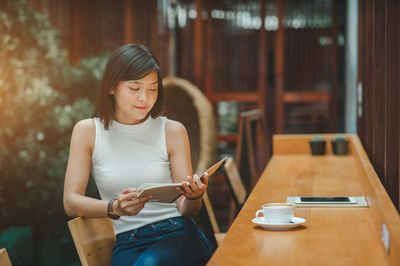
<point x="112" y="91"/>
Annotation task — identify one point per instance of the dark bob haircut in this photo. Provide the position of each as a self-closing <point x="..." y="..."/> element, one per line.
<point x="129" y="62"/>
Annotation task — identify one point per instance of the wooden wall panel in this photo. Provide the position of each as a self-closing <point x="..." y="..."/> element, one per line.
<point x="198" y="46"/>
<point x="128" y="21"/>
<point x="368" y="81"/>
<point x="90" y="28"/>
<point x="379" y="62"/>
<point x="334" y="93"/>
<point x="379" y="89"/>
<point x="75" y="37"/>
<point x="398" y="111"/>
<point x="279" y="69"/>
<point x="361" y="68"/>
<point x="392" y="109"/>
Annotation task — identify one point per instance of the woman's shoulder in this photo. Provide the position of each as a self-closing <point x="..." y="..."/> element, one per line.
<point x="85" y="124"/>
<point x="176" y="136"/>
<point x="174" y="127"/>
<point x="84" y="133"/>
<point x="85" y="128"/>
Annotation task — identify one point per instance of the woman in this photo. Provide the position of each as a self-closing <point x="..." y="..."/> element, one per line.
<point x="128" y="143"/>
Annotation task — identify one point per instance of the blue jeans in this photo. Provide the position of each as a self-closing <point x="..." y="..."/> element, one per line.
<point x="175" y="241"/>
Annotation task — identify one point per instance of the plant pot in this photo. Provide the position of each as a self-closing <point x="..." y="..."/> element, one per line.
<point x="317" y="147"/>
<point x="340" y="147"/>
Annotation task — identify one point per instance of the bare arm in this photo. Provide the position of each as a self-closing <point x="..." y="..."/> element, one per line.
<point x="181" y="168"/>
<point x="77" y="177"/>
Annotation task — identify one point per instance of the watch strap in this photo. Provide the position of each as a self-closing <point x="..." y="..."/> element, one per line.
<point x="110" y="212"/>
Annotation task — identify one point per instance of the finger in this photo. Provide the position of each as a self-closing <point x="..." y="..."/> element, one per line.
<point x="205" y="179"/>
<point x="190" y="180"/>
<point x="186" y="186"/>
<point x="185" y="189"/>
<point x="128" y="190"/>
<point x="129" y="203"/>
<point x="136" y="209"/>
<point x="196" y="183"/>
<point x="130" y="206"/>
<point x="125" y="197"/>
<point x="193" y="185"/>
<point x="200" y="185"/>
<point x="143" y="200"/>
<point x="136" y="201"/>
<point x="191" y="189"/>
<point x="182" y="191"/>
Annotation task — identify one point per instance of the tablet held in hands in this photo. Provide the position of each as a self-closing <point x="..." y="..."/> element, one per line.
<point x="167" y="192"/>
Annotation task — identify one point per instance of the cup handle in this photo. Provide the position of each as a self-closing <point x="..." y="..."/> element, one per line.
<point x="258" y="212"/>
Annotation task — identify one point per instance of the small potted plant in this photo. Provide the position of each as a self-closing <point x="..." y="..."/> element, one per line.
<point x="317" y="145"/>
<point x="340" y="145"/>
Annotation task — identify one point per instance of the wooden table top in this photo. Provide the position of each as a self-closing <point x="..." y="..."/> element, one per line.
<point x="331" y="236"/>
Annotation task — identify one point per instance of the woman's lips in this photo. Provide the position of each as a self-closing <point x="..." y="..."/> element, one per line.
<point x="140" y="107"/>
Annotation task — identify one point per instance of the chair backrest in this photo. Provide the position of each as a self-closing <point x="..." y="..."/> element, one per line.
<point x="211" y="214"/>
<point x="94" y="240"/>
<point x="252" y="151"/>
<point x="239" y="195"/>
<point x="4" y="259"/>
<point x="235" y="182"/>
<point x="218" y="235"/>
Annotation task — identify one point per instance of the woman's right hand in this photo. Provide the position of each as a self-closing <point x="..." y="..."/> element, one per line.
<point x="128" y="204"/>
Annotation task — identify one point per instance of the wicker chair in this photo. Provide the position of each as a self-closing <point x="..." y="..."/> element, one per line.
<point x="187" y="104"/>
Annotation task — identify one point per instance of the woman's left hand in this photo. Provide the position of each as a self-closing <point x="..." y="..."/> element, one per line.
<point x="194" y="188"/>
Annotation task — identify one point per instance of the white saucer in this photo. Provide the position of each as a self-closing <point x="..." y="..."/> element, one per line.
<point x="296" y="221"/>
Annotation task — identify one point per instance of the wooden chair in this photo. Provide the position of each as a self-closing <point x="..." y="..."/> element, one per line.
<point x="94" y="240"/>
<point x="252" y="151"/>
<point x="238" y="192"/>
<point x="4" y="258"/>
<point x="218" y="235"/>
<point x="235" y="183"/>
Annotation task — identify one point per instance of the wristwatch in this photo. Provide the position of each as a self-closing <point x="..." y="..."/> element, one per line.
<point x="110" y="212"/>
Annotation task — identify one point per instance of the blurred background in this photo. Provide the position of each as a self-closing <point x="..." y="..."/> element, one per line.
<point x="310" y="66"/>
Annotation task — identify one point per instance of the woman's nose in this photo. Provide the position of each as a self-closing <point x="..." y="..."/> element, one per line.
<point x="143" y="96"/>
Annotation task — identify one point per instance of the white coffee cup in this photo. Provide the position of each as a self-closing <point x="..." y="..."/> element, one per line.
<point x="276" y="213"/>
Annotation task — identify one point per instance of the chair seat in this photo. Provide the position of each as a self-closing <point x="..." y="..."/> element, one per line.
<point x="4" y="259"/>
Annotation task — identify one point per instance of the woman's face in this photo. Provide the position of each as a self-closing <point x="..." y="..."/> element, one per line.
<point x="135" y="98"/>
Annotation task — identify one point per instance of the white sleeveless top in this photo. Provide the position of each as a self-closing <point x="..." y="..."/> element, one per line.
<point x="126" y="156"/>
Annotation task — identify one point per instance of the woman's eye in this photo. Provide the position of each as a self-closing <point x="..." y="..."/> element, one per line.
<point x="134" y="89"/>
<point x="153" y="89"/>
